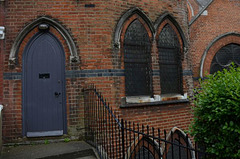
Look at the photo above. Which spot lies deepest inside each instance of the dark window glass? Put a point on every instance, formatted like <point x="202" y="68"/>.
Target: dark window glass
<point x="169" y="61"/>
<point x="144" y="153"/>
<point x="173" y="151"/>
<point x="224" y="57"/>
<point x="137" y="49"/>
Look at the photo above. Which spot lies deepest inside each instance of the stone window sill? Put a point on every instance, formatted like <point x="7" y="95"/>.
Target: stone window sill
<point x="136" y="101"/>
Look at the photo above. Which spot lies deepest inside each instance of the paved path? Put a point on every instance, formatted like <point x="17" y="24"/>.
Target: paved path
<point x="61" y="150"/>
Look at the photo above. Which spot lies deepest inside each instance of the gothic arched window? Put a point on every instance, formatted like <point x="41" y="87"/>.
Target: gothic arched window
<point x="145" y="148"/>
<point x="169" y="61"/>
<point x="174" y="152"/>
<point x="137" y="60"/>
<point x="179" y="145"/>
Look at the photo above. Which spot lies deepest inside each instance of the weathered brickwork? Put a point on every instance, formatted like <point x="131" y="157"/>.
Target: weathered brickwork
<point x="92" y="26"/>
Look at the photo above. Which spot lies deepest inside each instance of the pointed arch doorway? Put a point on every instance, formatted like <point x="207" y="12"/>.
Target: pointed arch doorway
<point x="44" y="108"/>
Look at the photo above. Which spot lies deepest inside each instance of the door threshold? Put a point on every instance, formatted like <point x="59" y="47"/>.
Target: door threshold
<point x="45" y="133"/>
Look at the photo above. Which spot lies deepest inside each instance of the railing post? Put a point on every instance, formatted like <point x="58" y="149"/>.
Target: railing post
<point x="122" y="127"/>
<point x="188" y="152"/>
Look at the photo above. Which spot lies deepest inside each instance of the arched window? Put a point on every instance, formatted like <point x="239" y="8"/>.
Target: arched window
<point x="144" y="151"/>
<point x="175" y="151"/>
<point x="224" y="57"/>
<point x="176" y="148"/>
<point x="169" y="50"/>
<point x="224" y="46"/>
<point x="145" y="148"/>
<point x="137" y="60"/>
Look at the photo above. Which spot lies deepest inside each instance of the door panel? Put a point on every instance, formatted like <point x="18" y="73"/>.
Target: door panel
<point x="44" y="86"/>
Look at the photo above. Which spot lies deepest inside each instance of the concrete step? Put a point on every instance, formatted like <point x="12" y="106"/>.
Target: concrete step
<point x="61" y="150"/>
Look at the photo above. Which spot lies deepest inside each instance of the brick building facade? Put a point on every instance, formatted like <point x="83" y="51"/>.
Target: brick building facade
<point x="95" y="38"/>
<point x="211" y="32"/>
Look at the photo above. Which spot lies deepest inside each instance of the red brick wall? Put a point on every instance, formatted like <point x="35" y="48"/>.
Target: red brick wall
<point x="2" y="18"/>
<point x="223" y="17"/>
<point x="92" y="29"/>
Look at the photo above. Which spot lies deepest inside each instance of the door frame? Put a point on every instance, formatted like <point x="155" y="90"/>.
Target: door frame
<point x="25" y="54"/>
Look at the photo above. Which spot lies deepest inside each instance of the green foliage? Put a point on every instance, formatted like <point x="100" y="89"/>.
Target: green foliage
<point x="66" y="139"/>
<point x="216" y="122"/>
<point x="46" y="142"/>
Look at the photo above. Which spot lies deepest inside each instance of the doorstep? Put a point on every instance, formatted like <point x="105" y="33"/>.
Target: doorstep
<point x="60" y="150"/>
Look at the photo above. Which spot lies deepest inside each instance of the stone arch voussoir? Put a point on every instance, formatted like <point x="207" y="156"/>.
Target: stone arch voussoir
<point x="124" y="18"/>
<point x="13" y="60"/>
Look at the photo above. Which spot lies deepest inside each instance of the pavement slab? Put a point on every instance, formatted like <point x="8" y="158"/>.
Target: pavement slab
<point x="61" y="150"/>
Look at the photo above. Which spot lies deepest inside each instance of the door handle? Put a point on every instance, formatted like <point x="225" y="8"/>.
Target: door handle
<point x="57" y="94"/>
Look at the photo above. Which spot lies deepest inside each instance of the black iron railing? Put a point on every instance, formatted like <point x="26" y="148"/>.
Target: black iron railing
<point x="118" y="139"/>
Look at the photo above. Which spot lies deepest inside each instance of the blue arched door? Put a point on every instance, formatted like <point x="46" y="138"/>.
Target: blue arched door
<point x="44" y="112"/>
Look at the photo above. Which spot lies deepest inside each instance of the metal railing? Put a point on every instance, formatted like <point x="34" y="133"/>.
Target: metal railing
<point x="119" y="139"/>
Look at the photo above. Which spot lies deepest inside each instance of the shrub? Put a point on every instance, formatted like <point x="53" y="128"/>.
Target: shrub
<point x="216" y="122"/>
